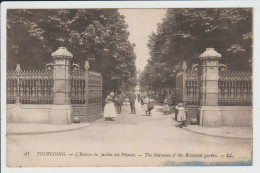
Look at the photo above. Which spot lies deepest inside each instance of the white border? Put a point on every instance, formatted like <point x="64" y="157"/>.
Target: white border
<point x="135" y="4"/>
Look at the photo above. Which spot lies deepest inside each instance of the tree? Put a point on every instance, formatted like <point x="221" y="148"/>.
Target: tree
<point x="186" y="33"/>
<point x="98" y="34"/>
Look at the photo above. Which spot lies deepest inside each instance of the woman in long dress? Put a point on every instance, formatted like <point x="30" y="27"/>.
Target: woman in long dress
<point x="181" y="116"/>
<point x="166" y="106"/>
<point x="109" y="110"/>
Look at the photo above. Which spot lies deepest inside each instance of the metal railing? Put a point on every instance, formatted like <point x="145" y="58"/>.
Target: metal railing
<point x="30" y="86"/>
<point x="235" y="88"/>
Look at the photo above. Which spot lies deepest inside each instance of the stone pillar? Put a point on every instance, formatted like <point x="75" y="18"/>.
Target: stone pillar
<point x="61" y="111"/>
<point x="210" y="114"/>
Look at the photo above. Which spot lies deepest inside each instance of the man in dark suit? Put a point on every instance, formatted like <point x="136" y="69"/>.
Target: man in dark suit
<point x="121" y="99"/>
<point x="132" y="98"/>
<point x="116" y="103"/>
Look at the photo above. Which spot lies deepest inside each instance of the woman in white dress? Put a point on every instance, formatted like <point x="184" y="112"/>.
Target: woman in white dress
<point x="181" y="116"/>
<point x="109" y="110"/>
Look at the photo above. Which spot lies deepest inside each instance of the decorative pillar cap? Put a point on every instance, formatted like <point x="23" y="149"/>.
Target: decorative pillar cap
<point x="184" y="66"/>
<point x="86" y="65"/>
<point x="62" y="52"/>
<point x="210" y="53"/>
<point x="18" y="68"/>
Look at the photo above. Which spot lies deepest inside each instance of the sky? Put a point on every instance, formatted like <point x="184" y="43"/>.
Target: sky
<point x="141" y="24"/>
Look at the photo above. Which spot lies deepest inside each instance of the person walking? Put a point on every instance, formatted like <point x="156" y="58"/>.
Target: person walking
<point x="139" y="97"/>
<point x="132" y="99"/>
<point x="109" y="110"/>
<point x="121" y="99"/>
<point x="166" y="106"/>
<point x="181" y="115"/>
<point x="172" y="99"/>
<point x="116" y="103"/>
<point x="150" y="106"/>
<point x="142" y="99"/>
<point x="145" y="104"/>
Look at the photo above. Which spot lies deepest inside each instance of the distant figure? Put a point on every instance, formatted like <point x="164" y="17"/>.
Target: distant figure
<point x="145" y="103"/>
<point x="117" y="103"/>
<point x="132" y="98"/>
<point x="139" y="97"/>
<point x="166" y="105"/>
<point x="142" y="99"/>
<point x="148" y="105"/>
<point x="172" y="100"/>
<point x="121" y="99"/>
<point x="181" y="115"/>
<point x="109" y="110"/>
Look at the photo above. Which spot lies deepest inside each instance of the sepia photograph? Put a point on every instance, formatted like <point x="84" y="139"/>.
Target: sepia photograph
<point x="129" y="87"/>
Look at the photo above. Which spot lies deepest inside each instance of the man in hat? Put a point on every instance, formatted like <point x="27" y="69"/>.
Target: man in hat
<point x="121" y="99"/>
<point x="132" y="98"/>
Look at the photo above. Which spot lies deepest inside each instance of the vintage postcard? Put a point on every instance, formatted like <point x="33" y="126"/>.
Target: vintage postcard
<point x="99" y="86"/>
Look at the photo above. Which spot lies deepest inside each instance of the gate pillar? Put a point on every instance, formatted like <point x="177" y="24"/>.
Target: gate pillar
<point x="61" y="110"/>
<point x="210" y="114"/>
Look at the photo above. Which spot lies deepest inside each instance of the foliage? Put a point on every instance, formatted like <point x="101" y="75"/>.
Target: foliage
<point x="99" y="34"/>
<point x="186" y="33"/>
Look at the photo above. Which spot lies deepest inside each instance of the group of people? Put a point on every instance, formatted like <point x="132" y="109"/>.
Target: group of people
<point x="114" y="106"/>
<point x="180" y="111"/>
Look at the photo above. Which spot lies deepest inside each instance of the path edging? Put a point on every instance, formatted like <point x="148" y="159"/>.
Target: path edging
<point x="231" y="137"/>
<point x="47" y="132"/>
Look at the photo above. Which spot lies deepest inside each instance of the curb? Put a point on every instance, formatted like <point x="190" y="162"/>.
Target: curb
<point x="47" y="132"/>
<point x="231" y="137"/>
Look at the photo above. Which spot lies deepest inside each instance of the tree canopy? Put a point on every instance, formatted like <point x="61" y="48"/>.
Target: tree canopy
<point x="99" y="34"/>
<point x="186" y="33"/>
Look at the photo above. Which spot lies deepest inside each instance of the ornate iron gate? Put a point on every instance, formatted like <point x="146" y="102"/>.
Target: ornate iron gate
<point x="94" y="105"/>
<point x="86" y="94"/>
<point x="187" y="90"/>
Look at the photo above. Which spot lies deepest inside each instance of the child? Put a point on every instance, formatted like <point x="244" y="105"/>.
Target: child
<point x="181" y="116"/>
